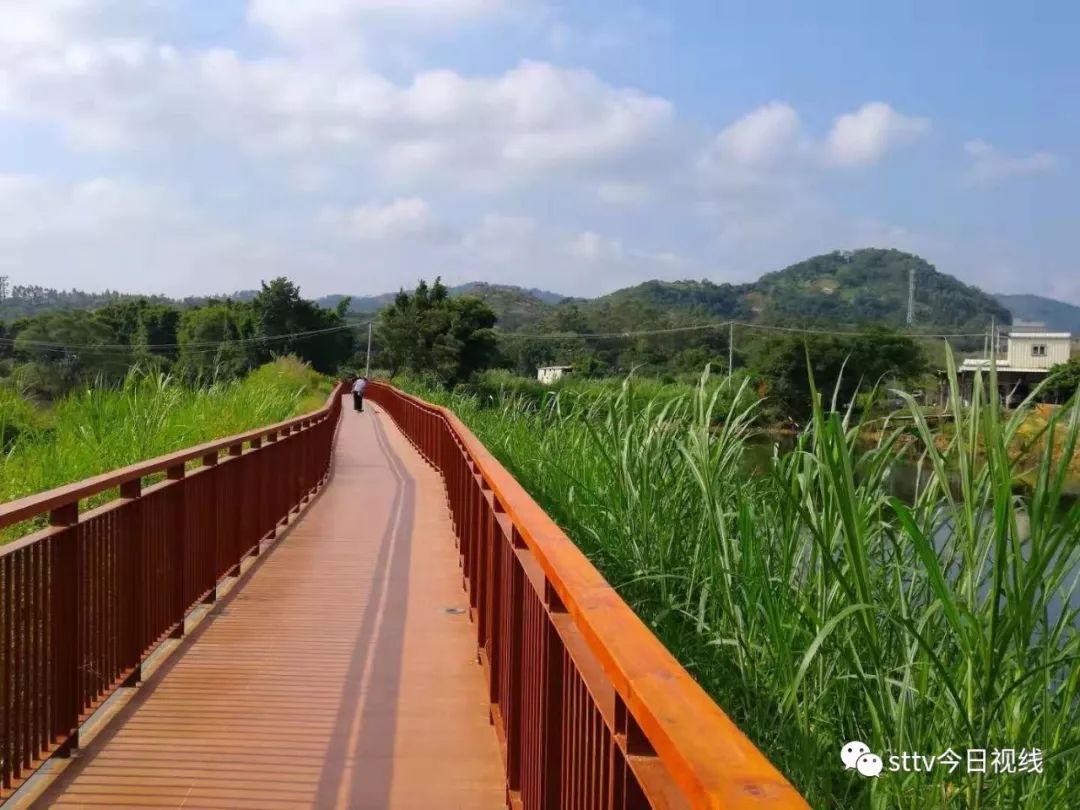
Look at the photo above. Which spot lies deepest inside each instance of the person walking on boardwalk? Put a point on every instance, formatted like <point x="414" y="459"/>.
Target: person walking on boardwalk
<point x="358" y="394"/>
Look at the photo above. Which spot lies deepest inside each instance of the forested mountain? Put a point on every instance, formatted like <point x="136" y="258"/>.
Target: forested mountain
<point x="1057" y="315"/>
<point x="843" y="288"/>
<point x="867" y="286"/>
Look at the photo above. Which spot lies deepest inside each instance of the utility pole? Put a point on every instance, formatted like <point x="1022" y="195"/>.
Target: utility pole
<point x="730" y="348"/>
<point x="367" y="365"/>
<point x="911" y="297"/>
<point x="993" y="339"/>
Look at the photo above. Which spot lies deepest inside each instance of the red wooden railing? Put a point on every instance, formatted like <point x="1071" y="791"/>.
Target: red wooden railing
<point x="84" y="601"/>
<point x="590" y="708"/>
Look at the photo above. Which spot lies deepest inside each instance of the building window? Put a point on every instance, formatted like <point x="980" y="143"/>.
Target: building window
<point x="1038" y="350"/>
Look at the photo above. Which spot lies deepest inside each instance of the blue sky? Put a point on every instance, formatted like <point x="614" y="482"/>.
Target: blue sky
<point x="358" y="145"/>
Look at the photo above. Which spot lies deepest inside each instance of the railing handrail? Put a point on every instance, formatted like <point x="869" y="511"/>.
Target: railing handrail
<point x="711" y="760"/>
<point x="42" y="502"/>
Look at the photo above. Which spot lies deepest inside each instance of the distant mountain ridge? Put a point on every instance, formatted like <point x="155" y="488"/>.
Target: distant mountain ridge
<point x="842" y="288"/>
<point x="867" y="286"/>
<point x="1058" y="316"/>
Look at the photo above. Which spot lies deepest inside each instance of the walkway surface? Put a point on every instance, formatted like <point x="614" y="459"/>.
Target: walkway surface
<point x="341" y="673"/>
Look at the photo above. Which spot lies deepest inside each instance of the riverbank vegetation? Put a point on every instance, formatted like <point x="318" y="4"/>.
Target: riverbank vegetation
<point x="147" y="414"/>
<point x="811" y="602"/>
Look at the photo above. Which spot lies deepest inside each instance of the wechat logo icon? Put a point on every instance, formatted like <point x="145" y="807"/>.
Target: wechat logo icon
<point x="857" y="756"/>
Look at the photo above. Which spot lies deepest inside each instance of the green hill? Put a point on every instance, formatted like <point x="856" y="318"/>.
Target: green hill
<point x="868" y="286"/>
<point x="843" y="288"/>
<point x="1057" y="315"/>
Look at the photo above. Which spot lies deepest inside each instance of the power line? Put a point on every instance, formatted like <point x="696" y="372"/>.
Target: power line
<point x="212" y="346"/>
<point x="125" y="347"/>
<point x="731" y="325"/>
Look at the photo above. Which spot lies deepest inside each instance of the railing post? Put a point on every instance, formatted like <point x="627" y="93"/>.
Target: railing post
<point x="255" y="474"/>
<point x="552" y="718"/>
<point x="237" y="523"/>
<point x="178" y="556"/>
<point x="210" y="549"/>
<point x="131" y="492"/>
<point x="67" y="642"/>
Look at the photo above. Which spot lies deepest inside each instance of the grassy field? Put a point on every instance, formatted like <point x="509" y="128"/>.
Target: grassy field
<point x="813" y="604"/>
<point x="101" y="429"/>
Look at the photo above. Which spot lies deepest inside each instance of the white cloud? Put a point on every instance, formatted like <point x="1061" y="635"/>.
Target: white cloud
<point x="106" y="233"/>
<point x="316" y="21"/>
<point x="760" y="137"/>
<point x="866" y="135"/>
<point x="30" y="25"/>
<point x="988" y="165"/>
<point x="623" y="193"/>
<point x="591" y="246"/>
<point x="405" y="217"/>
<point x="481" y="131"/>
<point x="498" y="230"/>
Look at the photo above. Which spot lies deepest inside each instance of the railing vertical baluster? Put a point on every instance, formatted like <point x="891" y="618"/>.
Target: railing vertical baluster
<point x="554" y="727"/>
<point x="210" y="524"/>
<point x="7" y="665"/>
<point x="513" y="697"/>
<point x="134" y="552"/>
<point x="66" y="653"/>
<point x="177" y="531"/>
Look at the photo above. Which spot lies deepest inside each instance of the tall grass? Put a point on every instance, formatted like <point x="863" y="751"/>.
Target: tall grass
<point x="103" y="428"/>
<point x="816" y="606"/>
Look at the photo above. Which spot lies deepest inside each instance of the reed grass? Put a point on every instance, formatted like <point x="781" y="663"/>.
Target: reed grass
<point x="813" y="604"/>
<point x="103" y="428"/>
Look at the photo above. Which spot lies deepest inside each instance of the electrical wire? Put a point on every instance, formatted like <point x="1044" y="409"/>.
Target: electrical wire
<point x="739" y="324"/>
<point x="194" y="347"/>
<point x="190" y="348"/>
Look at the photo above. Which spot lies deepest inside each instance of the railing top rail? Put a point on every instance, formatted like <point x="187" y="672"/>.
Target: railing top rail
<point x="43" y="502"/>
<point x="707" y="755"/>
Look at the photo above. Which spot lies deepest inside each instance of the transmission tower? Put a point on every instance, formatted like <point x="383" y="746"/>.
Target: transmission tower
<point x="911" y="297"/>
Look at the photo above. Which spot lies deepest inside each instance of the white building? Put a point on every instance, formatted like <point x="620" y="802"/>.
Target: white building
<point x="550" y="374"/>
<point x="1037" y="350"/>
<point x="1030" y="350"/>
<point x="1028" y="357"/>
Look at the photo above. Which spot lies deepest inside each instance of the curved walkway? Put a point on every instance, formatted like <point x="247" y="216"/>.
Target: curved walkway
<point x="341" y="673"/>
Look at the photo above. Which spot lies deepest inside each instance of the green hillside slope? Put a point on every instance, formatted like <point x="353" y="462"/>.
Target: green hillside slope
<point x="868" y="286"/>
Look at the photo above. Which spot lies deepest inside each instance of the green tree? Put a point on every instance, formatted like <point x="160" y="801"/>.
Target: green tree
<point x="840" y="366"/>
<point x="216" y="341"/>
<point x="149" y="327"/>
<point x="60" y="350"/>
<point x="279" y="310"/>
<point x="427" y="331"/>
<point x="1063" y="382"/>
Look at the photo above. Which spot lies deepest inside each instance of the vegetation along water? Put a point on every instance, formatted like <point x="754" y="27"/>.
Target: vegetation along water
<point x="815" y="604"/>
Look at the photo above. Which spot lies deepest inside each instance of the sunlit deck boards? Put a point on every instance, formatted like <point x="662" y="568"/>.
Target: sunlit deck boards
<point x="339" y="675"/>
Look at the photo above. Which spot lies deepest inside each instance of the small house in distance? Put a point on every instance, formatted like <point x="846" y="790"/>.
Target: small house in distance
<point x="550" y="374"/>
<point x="1029" y="355"/>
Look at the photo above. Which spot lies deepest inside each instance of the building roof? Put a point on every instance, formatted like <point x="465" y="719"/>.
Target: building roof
<point x="977" y="364"/>
<point x="1040" y="335"/>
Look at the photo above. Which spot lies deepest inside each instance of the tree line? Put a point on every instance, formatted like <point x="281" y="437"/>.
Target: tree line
<point x="48" y="354"/>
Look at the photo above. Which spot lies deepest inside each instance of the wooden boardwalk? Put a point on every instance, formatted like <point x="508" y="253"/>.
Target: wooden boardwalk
<point x="342" y="671"/>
